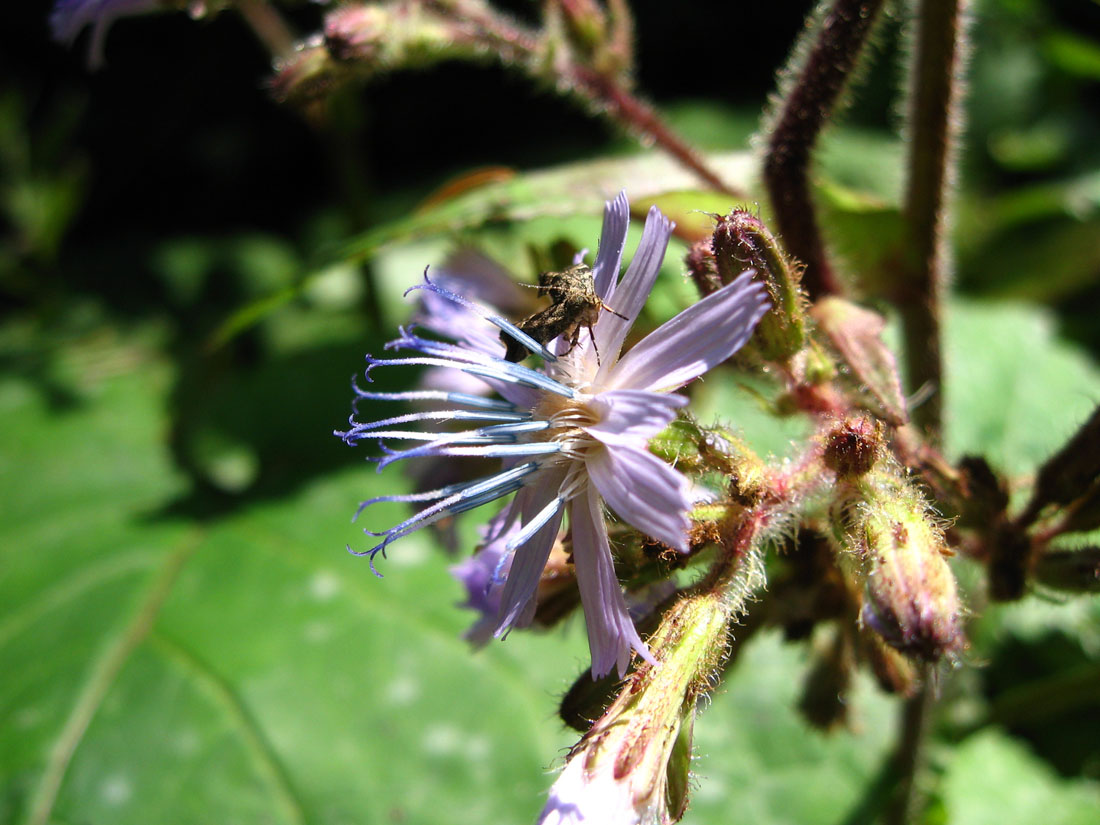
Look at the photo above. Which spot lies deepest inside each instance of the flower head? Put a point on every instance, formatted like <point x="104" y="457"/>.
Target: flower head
<point x="571" y="436"/>
<point x="70" y="17"/>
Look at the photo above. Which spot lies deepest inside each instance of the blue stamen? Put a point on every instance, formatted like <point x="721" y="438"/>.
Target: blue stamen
<point x="488" y="447"/>
<point x="435" y="395"/>
<point x="502" y="324"/>
<point x="536" y="524"/>
<point x="496" y="368"/>
<point x="470" y="496"/>
<point x="362" y="430"/>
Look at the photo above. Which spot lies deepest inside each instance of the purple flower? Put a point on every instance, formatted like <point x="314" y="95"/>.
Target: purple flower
<point x="69" y="17"/>
<point x="572" y="436"/>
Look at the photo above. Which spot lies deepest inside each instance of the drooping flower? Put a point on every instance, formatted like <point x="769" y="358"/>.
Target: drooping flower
<point x="70" y="17"/>
<point x="572" y="436"/>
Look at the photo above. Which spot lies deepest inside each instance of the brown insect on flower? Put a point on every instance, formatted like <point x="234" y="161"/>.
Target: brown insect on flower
<point x="573" y="304"/>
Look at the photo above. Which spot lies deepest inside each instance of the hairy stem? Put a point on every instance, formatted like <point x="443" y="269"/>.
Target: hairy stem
<point x="269" y="27"/>
<point x="803" y="112"/>
<point x="620" y="105"/>
<point x="935" y="82"/>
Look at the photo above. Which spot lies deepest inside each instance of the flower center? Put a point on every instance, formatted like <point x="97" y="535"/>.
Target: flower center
<point x="568" y="417"/>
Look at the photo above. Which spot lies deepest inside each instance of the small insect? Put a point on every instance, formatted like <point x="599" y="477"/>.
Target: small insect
<point x="573" y="304"/>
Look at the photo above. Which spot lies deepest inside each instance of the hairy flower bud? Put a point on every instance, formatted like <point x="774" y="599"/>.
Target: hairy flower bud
<point x="741" y="241"/>
<point x="702" y="268"/>
<point x="632" y="766"/>
<point x="856" y="335"/>
<point x="910" y="596"/>
<point x="853" y="446"/>
<point x="375" y="38"/>
<point x="911" y="599"/>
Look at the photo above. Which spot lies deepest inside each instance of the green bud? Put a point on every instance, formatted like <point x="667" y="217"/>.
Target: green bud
<point x="372" y="38"/>
<point x="633" y="764"/>
<point x="741" y="241"/>
<point x="911" y="599"/>
<point x="910" y="596"/>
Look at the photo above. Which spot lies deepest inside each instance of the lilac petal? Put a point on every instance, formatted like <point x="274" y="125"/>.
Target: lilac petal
<point x="481" y="575"/>
<point x="609" y="256"/>
<point x="702" y="336"/>
<point x="476" y="275"/>
<point x="69" y="17"/>
<point x="631" y="293"/>
<point x="517" y="602"/>
<point x="611" y="633"/>
<point x="633" y="416"/>
<point x="643" y="491"/>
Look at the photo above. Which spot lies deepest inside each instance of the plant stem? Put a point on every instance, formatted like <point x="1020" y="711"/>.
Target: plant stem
<point x="269" y="27"/>
<point x="935" y="84"/>
<point x="620" y="105"/>
<point x="804" y="110"/>
<point x="909" y="756"/>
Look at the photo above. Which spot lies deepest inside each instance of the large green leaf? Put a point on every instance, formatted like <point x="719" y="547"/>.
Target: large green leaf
<point x="245" y="669"/>
<point x="1014" y="392"/>
<point x="161" y="665"/>
<point x="991" y="779"/>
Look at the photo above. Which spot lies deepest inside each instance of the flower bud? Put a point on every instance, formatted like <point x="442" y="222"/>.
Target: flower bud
<point x="374" y="37"/>
<point x="897" y="552"/>
<point x="853" y="446"/>
<point x="856" y="334"/>
<point x="632" y="766"/>
<point x="741" y="241"/>
<point x="910" y="598"/>
<point x="702" y="268"/>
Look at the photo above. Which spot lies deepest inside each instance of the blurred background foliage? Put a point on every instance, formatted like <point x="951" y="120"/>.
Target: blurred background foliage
<point x="183" y="637"/>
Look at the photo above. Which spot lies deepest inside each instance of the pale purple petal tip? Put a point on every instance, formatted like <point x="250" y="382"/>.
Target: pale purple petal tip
<point x="628" y="298"/>
<point x="609" y="256"/>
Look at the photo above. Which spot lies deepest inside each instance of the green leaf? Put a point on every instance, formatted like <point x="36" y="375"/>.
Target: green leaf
<point x="245" y="669"/>
<point x="564" y="191"/>
<point x="992" y="779"/>
<point x="759" y="760"/>
<point x="1014" y="392"/>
